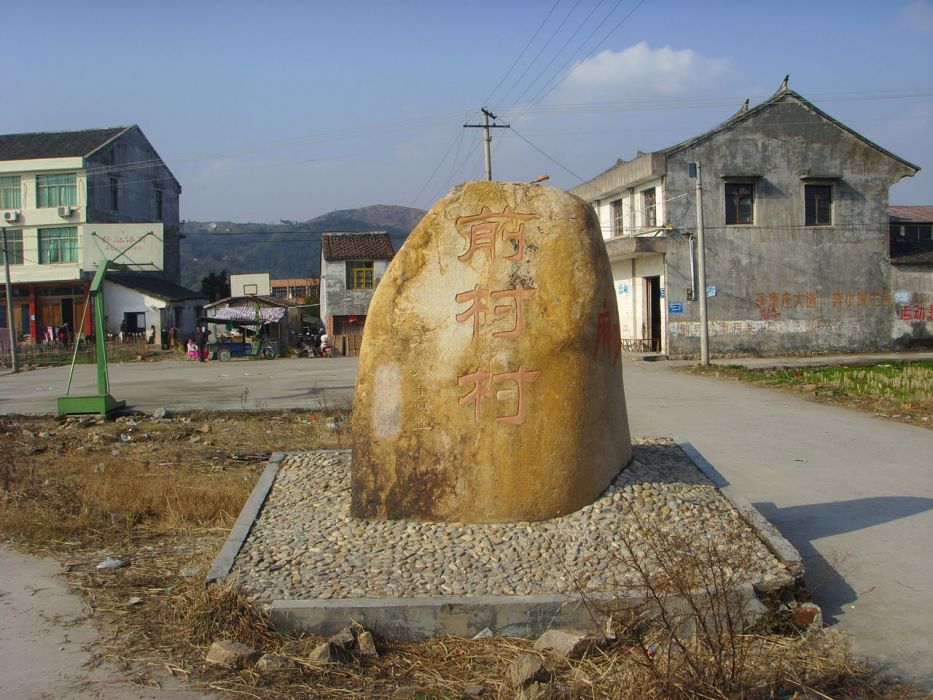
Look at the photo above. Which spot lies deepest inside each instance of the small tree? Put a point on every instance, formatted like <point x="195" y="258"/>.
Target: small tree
<point x="216" y="286"/>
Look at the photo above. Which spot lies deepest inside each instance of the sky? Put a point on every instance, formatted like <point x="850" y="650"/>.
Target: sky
<point x="287" y="110"/>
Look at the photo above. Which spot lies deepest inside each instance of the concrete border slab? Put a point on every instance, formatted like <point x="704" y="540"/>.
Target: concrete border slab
<point x="775" y="541"/>
<point x="223" y="562"/>
<point x="413" y="618"/>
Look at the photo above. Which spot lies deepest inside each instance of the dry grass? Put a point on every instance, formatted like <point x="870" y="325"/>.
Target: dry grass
<point x="164" y="500"/>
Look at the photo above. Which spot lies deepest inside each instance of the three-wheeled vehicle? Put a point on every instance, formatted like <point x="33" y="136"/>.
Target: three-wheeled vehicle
<point x="239" y="339"/>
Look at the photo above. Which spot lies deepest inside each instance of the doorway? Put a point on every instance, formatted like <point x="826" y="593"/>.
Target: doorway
<point x="652" y="327"/>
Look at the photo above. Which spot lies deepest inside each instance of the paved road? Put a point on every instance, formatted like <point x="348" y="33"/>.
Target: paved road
<point x="852" y="492"/>
<point x="186" y="385"/>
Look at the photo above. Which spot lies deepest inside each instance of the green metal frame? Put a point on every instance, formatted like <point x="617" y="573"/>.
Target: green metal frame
<point x="102" y="402"/>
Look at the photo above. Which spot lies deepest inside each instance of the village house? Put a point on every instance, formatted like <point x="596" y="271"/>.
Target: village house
<point x="795" y="211"/>
<point x="351" y="266"/>
<point x="911" y="253"/>
<point x="70" y="201"/>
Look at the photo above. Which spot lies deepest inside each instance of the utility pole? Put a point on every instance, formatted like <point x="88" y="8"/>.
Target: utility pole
<point x="10" y="323"/>
<point x="694" y="169"/>
<point x="487" y="137"/>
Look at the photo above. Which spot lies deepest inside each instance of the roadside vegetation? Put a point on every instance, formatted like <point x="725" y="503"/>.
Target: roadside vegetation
<point x="900" y="391"/>
<point x="160" y="496"/>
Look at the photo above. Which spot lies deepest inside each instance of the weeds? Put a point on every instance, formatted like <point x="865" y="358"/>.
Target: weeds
<point x="167" y="500"/>
<point x="899" y="390"/>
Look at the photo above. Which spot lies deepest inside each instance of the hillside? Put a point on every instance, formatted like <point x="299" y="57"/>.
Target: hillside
<point x="286" y="249"/>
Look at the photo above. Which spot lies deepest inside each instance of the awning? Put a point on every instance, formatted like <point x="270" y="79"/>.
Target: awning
<point x="248" y="313"/>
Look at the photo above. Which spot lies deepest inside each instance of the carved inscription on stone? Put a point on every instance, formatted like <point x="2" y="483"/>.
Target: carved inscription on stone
<point x="490" y="382"/>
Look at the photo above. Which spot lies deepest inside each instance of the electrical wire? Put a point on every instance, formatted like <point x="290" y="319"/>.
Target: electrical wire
<point x="540" y="51"/>
<point x="534" y="36"/>
<point x="538" y="97"/>
<point x="559" y="51"/>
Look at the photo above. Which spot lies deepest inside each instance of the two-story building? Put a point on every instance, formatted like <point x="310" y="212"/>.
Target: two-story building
<point x="351" y="266"/>
<point x="69" y="201"/>
<point x="795" y="212"/>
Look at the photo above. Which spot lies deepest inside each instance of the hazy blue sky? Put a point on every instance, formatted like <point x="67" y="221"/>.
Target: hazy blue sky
<point x="287" y="110"/>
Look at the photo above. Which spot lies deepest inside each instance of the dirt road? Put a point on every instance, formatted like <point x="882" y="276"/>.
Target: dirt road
<point x="43" y="634"/>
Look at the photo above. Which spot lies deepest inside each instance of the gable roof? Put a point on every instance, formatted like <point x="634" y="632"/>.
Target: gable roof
<point x="782" y="95"/>
<point x="357" y="246"/>
<point x="153" y="286"/>
<point x="900" y="213"/>
<point x="56" y="144"/>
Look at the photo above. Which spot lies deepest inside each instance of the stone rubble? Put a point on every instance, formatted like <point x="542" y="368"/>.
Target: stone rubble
<point x="306" y="545"/>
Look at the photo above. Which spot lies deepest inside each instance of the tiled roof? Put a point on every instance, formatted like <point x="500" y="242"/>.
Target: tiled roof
<point x="782" y="95"/>
<point x="56" y="144"/>
<point x="901" y="213"/>
<point x="911" y="252"/>
<point x="357" y="246"/>
<point x="153" y="286"/>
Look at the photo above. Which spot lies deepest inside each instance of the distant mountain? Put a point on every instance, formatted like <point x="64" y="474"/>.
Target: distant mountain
<point x="286" y="249"/>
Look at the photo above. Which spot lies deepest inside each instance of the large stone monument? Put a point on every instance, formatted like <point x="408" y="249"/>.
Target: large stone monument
<point x="490" y="377"/>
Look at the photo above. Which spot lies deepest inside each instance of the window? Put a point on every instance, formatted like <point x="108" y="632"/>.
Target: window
<point x="618" y="222"/>
<point x="280" y="292"/>
<point x="56" y="190"/>
<point x="9" y="192"/>
<point x="740" y="203"/>
<point x="818" y="205"/>
<point x="158" y="203"/>
<point x="58" y="245"/>
<point x="649" y="207"/>
<point x="114" y="194"/>
<point x="360" y="274"/>
<point x="14" y="246"/>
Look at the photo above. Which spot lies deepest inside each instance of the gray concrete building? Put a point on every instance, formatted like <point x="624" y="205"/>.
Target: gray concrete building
<point x="351" y="266"/>
<point x="795" y="211"/>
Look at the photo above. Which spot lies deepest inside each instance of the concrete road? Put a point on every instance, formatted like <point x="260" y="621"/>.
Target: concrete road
<point x="310" y="383"/>
<point x="44" y="633"/>
<point x="852" y="492"/>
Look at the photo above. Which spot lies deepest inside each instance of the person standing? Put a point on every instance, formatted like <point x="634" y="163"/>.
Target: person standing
<point x="203" y="338"/>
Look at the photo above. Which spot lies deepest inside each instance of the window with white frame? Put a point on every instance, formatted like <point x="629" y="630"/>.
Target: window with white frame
<point x="58" y="245"/>
<point x="10" y="197"/>
<point x="56" y="190"/>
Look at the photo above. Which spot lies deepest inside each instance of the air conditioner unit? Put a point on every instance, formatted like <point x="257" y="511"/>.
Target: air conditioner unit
<point x="10" y="215"/>
<point x="65" y="211"/>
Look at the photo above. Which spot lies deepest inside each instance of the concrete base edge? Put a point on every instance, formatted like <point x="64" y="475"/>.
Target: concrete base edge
<point x="410" y="619"/>
<point x="786" y="553"/>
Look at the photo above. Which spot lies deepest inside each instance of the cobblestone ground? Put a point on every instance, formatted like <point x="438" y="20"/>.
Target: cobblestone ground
<point x="306" y="545"/>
